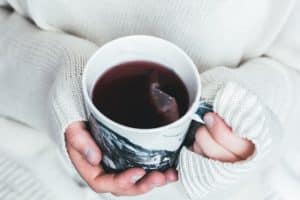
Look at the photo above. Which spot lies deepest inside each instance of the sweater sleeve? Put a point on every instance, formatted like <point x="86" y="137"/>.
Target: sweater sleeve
<point x="260" y="101"/>
<point x="40" y="76"/>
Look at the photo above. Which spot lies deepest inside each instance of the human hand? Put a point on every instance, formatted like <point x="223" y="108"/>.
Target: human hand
<point x="86" y="156"/>
<point x="215" y="140"/>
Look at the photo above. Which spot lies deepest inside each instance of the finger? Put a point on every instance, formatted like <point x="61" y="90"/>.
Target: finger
<point x="147" y="183"/>
<point x="197" y="149"/>
<point x="98" y="180"/>
<point x="119" y="183"/>
<point x="171" y="175"/>
<point x="87" y="171"/>
<point x="154" y="179"/>
<point x="211" y="149"/>
<point x="80" y="139"/>
<point x="224" y="136"/>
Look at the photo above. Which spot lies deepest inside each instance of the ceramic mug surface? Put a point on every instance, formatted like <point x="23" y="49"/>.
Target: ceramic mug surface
<point x="125" y="147"/>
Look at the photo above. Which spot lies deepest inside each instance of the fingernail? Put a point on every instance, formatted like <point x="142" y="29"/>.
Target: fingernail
<point x="209" y="120"/>
<point x="135" y="178"/>
<point x="90" y="156"/>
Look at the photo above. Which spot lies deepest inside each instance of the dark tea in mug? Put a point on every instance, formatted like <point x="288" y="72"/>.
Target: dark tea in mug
<point x="141" y="94"/>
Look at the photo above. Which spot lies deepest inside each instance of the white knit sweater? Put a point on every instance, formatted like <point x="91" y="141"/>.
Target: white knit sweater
<point x="248" y="54"/>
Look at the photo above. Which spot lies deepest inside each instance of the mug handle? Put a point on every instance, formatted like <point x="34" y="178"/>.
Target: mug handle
<point x="198" y="121"/>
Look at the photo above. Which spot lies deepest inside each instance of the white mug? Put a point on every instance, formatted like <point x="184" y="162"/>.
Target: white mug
<point x="124" y="147"/>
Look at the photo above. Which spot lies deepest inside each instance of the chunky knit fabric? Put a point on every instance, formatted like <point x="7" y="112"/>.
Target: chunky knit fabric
<point x="247" y="53"/>
<point x="248" y="119"/>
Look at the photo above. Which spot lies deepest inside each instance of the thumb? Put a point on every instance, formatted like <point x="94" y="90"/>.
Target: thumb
<point x="223" y="135"/>
<point x="80" y="139"/>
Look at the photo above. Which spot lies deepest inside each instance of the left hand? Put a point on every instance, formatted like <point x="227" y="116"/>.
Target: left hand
<point x="86" y="156"/>
<point x="216" y="141"/>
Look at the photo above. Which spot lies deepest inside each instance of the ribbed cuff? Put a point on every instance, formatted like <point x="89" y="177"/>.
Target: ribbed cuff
<point x="246" y="115"/>
<point x="61" y="120"/>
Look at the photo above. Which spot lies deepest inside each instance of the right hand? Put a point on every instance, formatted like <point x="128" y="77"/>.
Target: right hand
<point x="217" y="141"/>
<point x="86" y="156"/>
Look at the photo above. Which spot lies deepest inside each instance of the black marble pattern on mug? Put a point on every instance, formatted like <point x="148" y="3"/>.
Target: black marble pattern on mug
<point x="119" y="153"/>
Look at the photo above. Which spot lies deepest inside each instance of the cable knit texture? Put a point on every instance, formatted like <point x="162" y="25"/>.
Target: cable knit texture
<point x="249" y="66"/>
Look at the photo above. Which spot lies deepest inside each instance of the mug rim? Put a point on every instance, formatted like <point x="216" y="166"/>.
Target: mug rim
<point x="98" y="114"/>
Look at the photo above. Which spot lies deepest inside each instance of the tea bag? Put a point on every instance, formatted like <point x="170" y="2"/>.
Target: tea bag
<point x="163" y="104"/>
